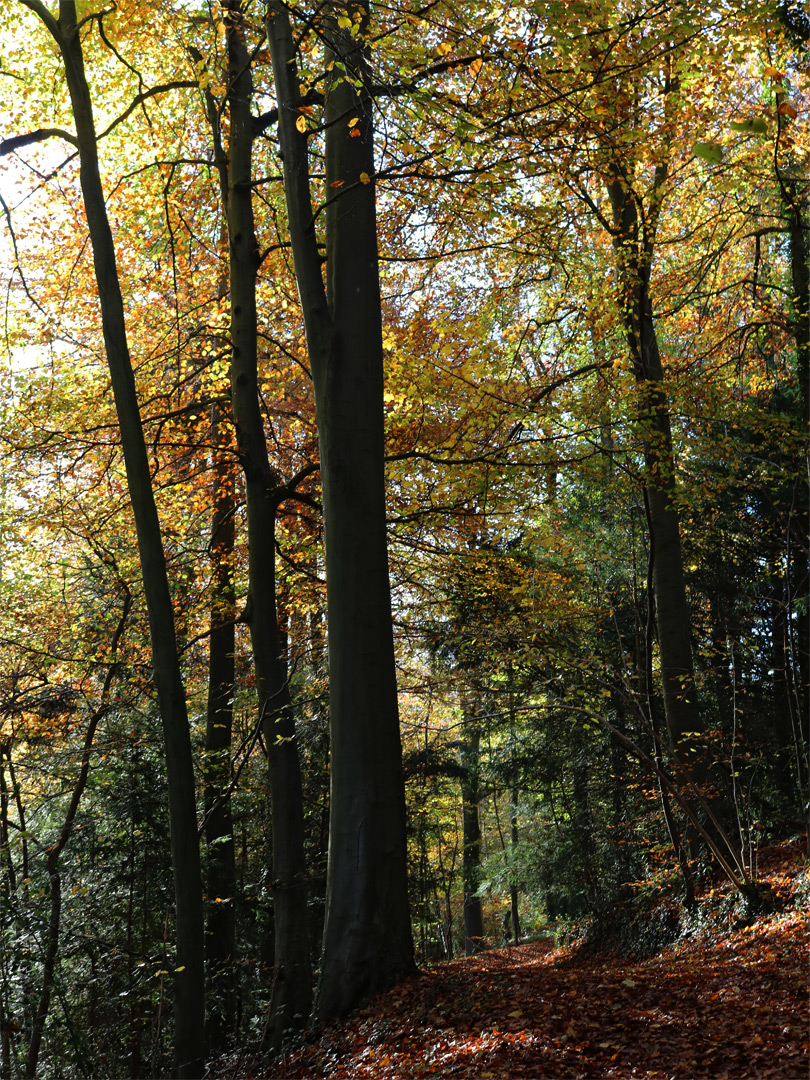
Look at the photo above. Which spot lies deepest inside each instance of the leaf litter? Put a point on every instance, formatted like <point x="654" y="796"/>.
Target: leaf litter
<point x="724" y="1004"/>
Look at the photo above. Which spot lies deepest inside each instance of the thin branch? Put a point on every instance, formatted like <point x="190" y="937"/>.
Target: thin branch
<point x="139" y="99"/>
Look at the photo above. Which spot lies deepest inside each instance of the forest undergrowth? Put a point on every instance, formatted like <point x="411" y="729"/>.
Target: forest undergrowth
<point x="727" y="1001"/>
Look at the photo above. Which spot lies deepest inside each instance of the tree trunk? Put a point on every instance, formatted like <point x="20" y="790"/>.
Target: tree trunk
<point x="220" y="929"/>
<point x="513" y="811"/>
<point x="189" y="983"/>
<point x="6" y="857"/>
<point x="582" y="820"/>
<point x="292" y="979"/>
<point x="514" y="907"/>
<point x="367" y="934"/>
<point x="673" y="619"/>
<point x="799" y="555"/>
<point x="471" y="832"/>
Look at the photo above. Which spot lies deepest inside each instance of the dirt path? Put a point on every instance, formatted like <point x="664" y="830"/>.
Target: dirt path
<point x="732" y="1008"/>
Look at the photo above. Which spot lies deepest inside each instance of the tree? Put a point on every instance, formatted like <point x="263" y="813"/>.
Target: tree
<point x="56" y="849"/>
<point x="220" y="927"/>
<point x="471" y="827"/>
<point x="189" y="980"/>
<point x="292" y="981"/>
<point x="367" y="935"/>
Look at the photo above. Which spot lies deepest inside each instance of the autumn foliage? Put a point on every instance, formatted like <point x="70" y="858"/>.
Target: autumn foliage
<point x="462" y="364"/>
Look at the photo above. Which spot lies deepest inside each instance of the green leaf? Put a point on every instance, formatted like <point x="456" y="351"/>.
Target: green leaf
<point x="755" y="124"/>
<point x="708" y="151"/>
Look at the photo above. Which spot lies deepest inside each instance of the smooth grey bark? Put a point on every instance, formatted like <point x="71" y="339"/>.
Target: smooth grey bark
<point x="292" y="979"/>
<point x="189" y="983"/>
<point x="367" y="942"/>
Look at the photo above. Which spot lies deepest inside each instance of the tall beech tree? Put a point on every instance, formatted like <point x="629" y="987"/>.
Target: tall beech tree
<point x="189" y="982"/>
<point x="264" y="492"/>
<point x="634" y="222"/>
<point x="638" y="115"/>
<point x="367" y="941"/>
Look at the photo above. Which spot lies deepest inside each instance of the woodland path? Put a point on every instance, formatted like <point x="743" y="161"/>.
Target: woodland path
<point x="726" y="1004"/>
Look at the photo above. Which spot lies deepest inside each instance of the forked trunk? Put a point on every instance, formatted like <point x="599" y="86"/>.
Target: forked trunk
<point x="292" y="979"/>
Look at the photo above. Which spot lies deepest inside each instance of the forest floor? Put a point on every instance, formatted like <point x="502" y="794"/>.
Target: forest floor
<point x="727" y="1002"/>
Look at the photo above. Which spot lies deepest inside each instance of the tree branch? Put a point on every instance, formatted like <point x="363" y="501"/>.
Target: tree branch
<point x="7" y="146"/>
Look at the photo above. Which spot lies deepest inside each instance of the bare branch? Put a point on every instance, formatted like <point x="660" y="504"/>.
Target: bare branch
<point x="7" y="146"/>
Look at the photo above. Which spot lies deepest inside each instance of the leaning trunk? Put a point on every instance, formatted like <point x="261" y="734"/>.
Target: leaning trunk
<point x="189" y="1000"/>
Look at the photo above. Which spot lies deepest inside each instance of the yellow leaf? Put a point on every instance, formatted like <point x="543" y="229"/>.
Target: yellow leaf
<point x="301" y="124"/>
<point x="354" y="120"/>
<point x="476" y="65"/>
<point x="365" y="178"/>
<point x="344" y="22"/>
<point x="444" y="48"/>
